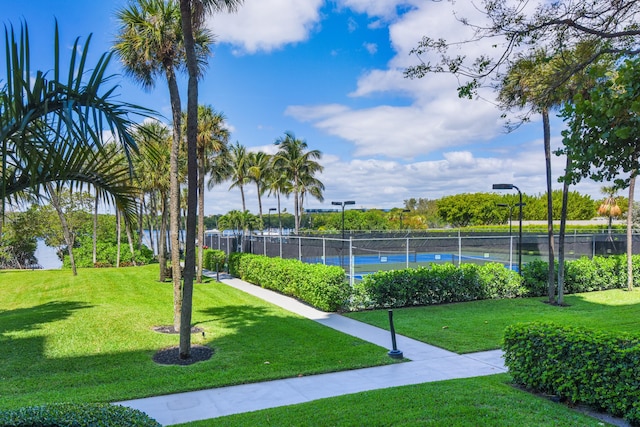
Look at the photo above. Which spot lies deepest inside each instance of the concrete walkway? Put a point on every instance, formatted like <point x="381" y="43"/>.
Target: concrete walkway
<point x="428" y="364"/>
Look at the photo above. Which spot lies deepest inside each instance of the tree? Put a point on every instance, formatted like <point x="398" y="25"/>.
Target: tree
<point x="213" y="138"/>
<point x="603" y="134"/>
<point x="152" y="169"/>
<point x="52" y="127"/>
<point x="192" y="14"/>
<point x="299" y="166"/>
<point x="237" y="169"/>
<point x="609" y="206"/>
<point x="259" y="163"/>
<point x="150" y="43"/>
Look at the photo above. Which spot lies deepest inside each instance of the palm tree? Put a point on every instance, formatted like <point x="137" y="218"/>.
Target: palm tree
<point x="153" y="173"/>
<point x="299" y="165"/>
<point x="213" y="138"/>
<point x="51" y="126"/>
<point x="193" y="13"/>
<point x="278" y="184"/>
<point x="609" y="206"/>
<point x="150" y="43"/>
<point x="259" y="163"/>
<point x="238" y="169"/>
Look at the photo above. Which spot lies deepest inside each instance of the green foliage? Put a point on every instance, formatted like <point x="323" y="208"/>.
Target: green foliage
<point x="535" y="276"/>
<point x="320" y="285"/>
<point x="76" y="415"/>
<point x="18" y="243"/>
<point x="214" y="259"/>
<point x="439" y="284"/>
<point x="107" y="254"/>
<point x="594" y="368"/>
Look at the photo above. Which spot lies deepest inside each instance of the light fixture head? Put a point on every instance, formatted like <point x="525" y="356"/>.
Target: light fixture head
<point x="503" y="186"/>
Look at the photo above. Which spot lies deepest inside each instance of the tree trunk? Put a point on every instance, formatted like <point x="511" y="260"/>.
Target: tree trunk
<point x="140" y="220"/>
<point x="200" y="215"/>
<point x="192" y="168"/>
<point x="551" y="278"/>
<point x="174" y="194"/>
<point x="632" y="187"/>
<point x="563" y="223"/>
<point x="162" y="238"/>
<point x="118" y="237"/>
<point x="95" y="229"/>
<point x="127" y="228"/>
<point x="66" y="232"/>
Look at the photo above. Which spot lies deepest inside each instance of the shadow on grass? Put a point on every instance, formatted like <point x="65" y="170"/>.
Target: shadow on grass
<point x="28" y="318"/>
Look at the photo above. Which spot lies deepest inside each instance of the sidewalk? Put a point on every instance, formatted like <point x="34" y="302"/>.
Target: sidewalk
<point x="428" y="364"/>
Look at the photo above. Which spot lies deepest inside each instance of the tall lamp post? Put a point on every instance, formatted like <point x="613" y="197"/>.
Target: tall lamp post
<point x="269" y="220"/>
<point x="343" y="204"/>
<point x="511" y="187"/>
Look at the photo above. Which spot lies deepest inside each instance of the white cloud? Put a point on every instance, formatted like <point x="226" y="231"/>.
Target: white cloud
<point x="265" y="25"/>
<point x="372" y="48"/>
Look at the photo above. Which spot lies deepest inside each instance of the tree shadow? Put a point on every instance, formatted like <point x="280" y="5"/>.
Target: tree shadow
<point x="29" y="318"/>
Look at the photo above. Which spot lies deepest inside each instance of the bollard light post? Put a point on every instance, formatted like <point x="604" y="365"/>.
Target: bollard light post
<point x="511" y="187"/>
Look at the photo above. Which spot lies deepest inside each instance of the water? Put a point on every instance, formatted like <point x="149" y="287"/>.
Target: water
<point x="47" y="256"/>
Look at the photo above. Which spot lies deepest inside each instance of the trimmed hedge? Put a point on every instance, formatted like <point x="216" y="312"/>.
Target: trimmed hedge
<point x="76" y="415"/>
<point x="213" y="259"/>
<point x="322" y="286"/>
<point x="440" y="284"/>
<point x="588" y="367"/>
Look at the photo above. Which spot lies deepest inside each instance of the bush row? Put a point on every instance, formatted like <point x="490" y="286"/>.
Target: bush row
<point x="321" y="286"/>
<point x="76" y="415"/>
<point x="581" y="275"/>
<point x="213" y="259"/>
<point x="442" y="283"/>
<point x="593" y="368"/>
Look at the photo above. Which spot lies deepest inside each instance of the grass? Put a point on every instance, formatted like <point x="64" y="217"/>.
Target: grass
<point x="473" y="402"/>
<point x="479" y="325"/>
<point x="89" y="338"/>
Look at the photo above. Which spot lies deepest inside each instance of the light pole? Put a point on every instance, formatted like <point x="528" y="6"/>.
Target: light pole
<point x="343" y="204"/>
<point x="269" y="220"/>
<point x="511" y="187"/>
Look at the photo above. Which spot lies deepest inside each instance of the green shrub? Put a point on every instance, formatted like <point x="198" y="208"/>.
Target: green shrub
<point x="499" y="282"/>
<point x="535" y="276"/>
<point x="76" y="415"/>
<point x="107" y="255"/>
<point x="583" y="366"/>
<point x="213" y="259"/>
<point x="320" y="285"/>
<point x="596" y="274"/>
<point x="439" y="284"/>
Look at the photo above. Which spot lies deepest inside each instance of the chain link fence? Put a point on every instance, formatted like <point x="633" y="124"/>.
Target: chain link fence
<point x="366" y="253"/>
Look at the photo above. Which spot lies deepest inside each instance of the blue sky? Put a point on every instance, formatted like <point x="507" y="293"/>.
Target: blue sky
<point x="331" y="73"/>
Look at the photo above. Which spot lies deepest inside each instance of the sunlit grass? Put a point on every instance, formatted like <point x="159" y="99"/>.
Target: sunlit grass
<point x="89" y="338"/>
<point x="479" y="325"/>
<point x="474" y="402"/>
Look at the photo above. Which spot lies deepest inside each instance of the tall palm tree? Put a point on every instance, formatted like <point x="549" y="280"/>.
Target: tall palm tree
<point x="150" y="43"/>
<point x="193" y="13"/>
<point x="52" y="126"/>
<point x="277" y="183"/>
<point x="213" y="138"/>
<point x="153" y="173"/>
<point x="259" y="163"/>
<point x="299" y="164"/>
<point x="238" y="169"/>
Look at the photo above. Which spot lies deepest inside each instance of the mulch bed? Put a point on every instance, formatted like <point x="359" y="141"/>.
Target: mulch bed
<point x="171" y="355"/>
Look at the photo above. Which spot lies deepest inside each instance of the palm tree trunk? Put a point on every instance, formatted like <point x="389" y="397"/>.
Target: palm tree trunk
<point x="192" y="170"/>
<point x="561" y="238"/>
<point x="244" y="205"/>
<point x="127" y="228"/>
<point x="200" y="216"/>
<point x="259" y="200"/>
<point x="162" y="239"/>
<point x="95" y="229"/>
<point x="140" y="220"/>
<point x="174" y="195"/>
<point x="118" y="237"/>
<point x="632" y="188"/>
<point x="551" y="278"/>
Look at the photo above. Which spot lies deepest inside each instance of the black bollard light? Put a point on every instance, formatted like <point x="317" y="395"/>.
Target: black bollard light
<point x="394" y="353"/>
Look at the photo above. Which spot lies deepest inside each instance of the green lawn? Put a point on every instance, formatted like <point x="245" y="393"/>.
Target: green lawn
<point x="474" y="402"/>
<point x="89" y="338"/>
<point x="479" y="325"/>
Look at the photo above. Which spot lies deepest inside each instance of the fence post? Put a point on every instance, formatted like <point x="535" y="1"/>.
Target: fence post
<point x="459" y="249"/>
<point x="324" y="251"/>
<point x="407" y="252"/>
<point x="299" y="248"/>
<point x="280" y="244"/>
<point x="351" y="261"/>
